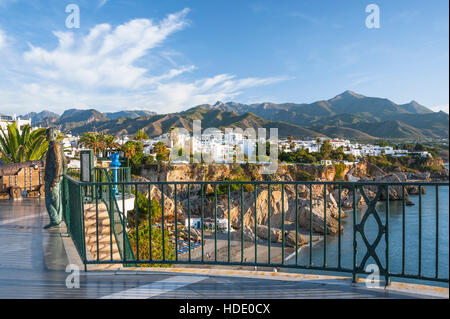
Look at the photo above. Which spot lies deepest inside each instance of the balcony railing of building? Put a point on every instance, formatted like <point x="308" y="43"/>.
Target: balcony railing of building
<point x="208" y="223"/>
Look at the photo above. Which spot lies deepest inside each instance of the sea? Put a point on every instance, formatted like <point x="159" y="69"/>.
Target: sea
<point x="411" y="265"/>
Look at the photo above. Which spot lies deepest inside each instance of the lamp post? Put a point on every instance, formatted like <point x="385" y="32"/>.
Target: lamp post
<point x="115" y="164"/>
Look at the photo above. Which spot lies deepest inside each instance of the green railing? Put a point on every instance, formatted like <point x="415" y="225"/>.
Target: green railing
<point x="123" y="174"/>
<point x="107" y="175"/>
<point x="73" y="172"/>
<point x="73" y="208"/>
<point x="76" y="194"/>
<point x="107" y="194"/>
<point x="212" y="244"/>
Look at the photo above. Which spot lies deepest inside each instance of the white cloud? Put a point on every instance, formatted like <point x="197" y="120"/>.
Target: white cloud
<point x="114" y="68"/>
<point x="106" y="57"/>
<point x="220" y="87"/>
<point x="102" y="3"/>
<point x="2" y="39"/>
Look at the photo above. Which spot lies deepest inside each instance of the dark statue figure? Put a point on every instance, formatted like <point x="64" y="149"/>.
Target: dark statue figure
<point x="55" y="167"/>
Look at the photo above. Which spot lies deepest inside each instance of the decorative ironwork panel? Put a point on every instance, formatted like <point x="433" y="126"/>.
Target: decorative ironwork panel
<point x="382" y="229"/>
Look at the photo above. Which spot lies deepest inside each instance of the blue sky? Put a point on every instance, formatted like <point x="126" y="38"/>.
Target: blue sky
<point x="169" y="55"/>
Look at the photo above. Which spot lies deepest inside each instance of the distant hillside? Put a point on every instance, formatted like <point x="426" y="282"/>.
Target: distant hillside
<point x="159" y="124"/>
<point x="36" y="118"/>
<point x="414" y="107"/>
<point x="132" y="114"/>
<point x="371" y="108"/>
<point x="347" y="115"/>
<point x="345" y="132"/>
<point x="352" y="115"/>
<point x="73" y="118"/>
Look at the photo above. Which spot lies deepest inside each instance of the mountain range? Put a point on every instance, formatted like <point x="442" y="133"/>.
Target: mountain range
<point x="347" y="115"/>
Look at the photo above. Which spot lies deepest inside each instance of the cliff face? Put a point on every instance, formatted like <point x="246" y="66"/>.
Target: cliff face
<point x="220" y="172"/>
<point x="240" y="207"/>
<point x="286" y="172"/>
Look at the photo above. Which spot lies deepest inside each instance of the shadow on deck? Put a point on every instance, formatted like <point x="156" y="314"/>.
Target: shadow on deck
<point x="33" y="262"/>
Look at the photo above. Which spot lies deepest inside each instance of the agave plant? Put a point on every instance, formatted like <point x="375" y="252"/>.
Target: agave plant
<point x="17" y="147"/>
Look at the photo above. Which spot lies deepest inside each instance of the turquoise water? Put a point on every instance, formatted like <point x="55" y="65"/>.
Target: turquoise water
<point x="395" y="237"/>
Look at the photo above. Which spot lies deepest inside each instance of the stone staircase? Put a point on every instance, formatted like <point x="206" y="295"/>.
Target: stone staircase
<point x="106" y="239"/>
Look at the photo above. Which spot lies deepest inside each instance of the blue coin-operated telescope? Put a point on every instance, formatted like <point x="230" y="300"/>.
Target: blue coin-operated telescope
<point x="115" y="164"/>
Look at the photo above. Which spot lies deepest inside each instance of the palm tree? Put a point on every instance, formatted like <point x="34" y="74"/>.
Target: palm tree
<point x="141" y="135"/>
<point x="129" y="150"/>
<point x="17" y="147"/>
<point x="160" y="148"/>
<point x="110" y="142"/>
<point x="93" y="141"/>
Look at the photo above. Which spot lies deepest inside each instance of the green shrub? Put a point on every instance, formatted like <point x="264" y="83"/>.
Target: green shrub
<point x="340" y="168"/>
<point x="303" y="176"/>
<point x="223" y="188"/>
<point x="144" y="231"/>
<point x="156" y="244"/>
<point x="143" y="209"/>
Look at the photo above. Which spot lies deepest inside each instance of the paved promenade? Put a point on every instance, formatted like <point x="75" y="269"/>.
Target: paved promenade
<point x="33" y="263"/>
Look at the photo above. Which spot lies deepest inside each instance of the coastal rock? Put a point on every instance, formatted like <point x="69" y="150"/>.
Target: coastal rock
<point x="276" y="207"/>
<point x="276" y="236"/>
<point x="395" y="192"/>
<point x="373" y="170"/>
<point x="425" y="176"/>
<point x="195" y="235"/>
<point x="289" y="239"/>
<point x="275" y="233"/>
<point x="262" y="210"/>
<point x="318" y="219"/>
<point x="344" y="194"/>
<point x="249" y="235"/>
<point x="317" y="202"/>
<point x="169" y="203"/>
<point x="155" y="194"/>
<point x="443" y="174"/>
<point x="414" y="190"/>
<point x="347" y="201"/>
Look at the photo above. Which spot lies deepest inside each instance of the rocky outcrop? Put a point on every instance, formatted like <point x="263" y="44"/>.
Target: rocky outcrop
<point x="262" y="209"/>
<point x="276" y="236"/>
<point x="442" y="175"/>
<point x="395" y="192"/>
<point x="290" y="239"/>
<point x="155" y="194"/>
<point x="414" y="190"/>
<point x="169" y="203"/>
<point x="318" y="218"/>
<point x="347" y="197"/>
<point x="218" y="172"/>
<point x="248" y="217"/>
<point x="241" y="211"/>
<point x="275" y="233"/>
<point x="425" y="176"/>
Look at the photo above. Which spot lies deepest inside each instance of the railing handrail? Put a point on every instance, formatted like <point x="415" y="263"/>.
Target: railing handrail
<point x="355" y="189"/>
<point x="411" y="183"/>
<point x="119" y="213"/>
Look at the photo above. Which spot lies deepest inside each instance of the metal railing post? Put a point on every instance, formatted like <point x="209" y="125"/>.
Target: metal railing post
<point x="386" y="237"/>
<point x="83" y="235"/>
<point x="355" y="244"/>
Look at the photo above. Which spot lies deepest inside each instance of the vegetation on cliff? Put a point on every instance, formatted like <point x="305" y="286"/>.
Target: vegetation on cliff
<point x="303" y="156"/>
<point x="148" y="217"/>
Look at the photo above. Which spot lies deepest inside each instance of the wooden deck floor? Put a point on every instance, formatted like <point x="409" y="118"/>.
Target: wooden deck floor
<point x="33" y="263"/>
